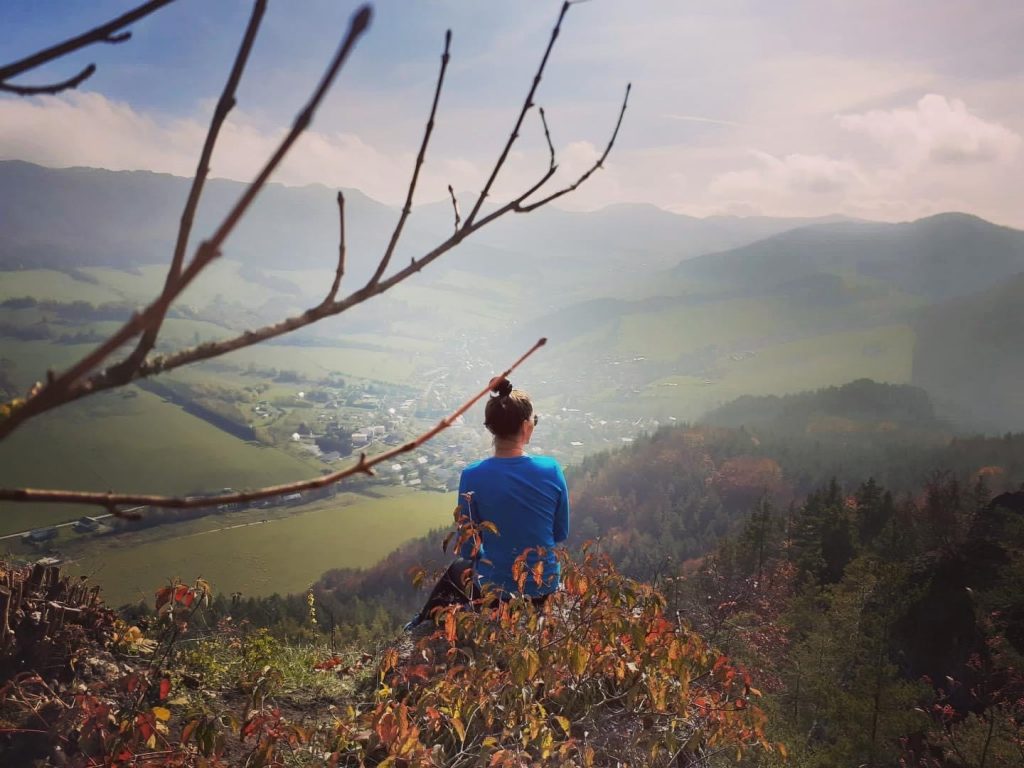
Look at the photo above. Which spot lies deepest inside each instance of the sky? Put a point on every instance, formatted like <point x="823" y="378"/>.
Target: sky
<point x="878" y="109"/>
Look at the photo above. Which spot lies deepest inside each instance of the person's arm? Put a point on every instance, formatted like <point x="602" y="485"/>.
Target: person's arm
<point x="561" y="525"/>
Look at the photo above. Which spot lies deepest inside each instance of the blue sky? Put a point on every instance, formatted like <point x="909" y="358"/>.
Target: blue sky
<point x="883" y="109"/>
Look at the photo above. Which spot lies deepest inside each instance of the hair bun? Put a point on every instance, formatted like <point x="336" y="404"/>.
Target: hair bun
<point x="503" y="388"/>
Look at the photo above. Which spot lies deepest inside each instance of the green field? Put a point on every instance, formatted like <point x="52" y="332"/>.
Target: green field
<point x="50" y="284"/>
<point x="282" y="555"/>
<point x="666" y="334"/>
<point x="317" y="362"/>
<point x="219" y="280"/>
<point x="882" y="353"/>
<point x="140" y="443"/>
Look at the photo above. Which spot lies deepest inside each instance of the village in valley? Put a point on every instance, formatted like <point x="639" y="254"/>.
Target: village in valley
<point x="342" y="423"/>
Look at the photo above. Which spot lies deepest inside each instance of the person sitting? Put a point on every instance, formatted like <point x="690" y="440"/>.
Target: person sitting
<point x="526" y="500"/>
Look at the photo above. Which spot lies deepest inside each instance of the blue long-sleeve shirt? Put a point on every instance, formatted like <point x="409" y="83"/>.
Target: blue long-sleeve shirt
<point x="526" y="498"/>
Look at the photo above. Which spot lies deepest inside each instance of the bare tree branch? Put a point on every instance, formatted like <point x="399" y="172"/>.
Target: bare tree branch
<point x="587" y="174"/>
<point x="224" y="106"/>
<point x="363" y="466"/>
<point x="340" y="271"/>
<point x="83" y="379"/>
<point x="547" y="136"/>
<point x="407" y="208"/>
<point x="59" y="390"/>
<point x="101" y="34"/>
<point x="519" y="121"/>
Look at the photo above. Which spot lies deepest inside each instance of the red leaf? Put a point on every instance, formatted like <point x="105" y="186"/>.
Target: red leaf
<point x="144" y="726"/>
<point x="250" y="727"/>
<point x="165" y="688"/>
<point x="330" y="663"/>
<point x="163" y="596"/>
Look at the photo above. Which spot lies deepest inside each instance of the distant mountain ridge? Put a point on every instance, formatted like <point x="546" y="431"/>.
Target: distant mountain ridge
<point x="938" y="257"/>
<point x="76" y="217"/>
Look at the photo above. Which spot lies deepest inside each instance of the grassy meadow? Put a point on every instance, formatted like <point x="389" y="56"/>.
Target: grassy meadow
<point x="260" y="558"/>
<point x="882" y="353"/>
<point x="130" y="440"/>
<point x="51" y="284"/>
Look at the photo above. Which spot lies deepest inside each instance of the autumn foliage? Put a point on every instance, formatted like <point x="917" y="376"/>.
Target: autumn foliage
<point x="599" y="675"/>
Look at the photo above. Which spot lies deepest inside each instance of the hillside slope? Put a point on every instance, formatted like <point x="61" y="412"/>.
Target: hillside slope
<point x="950" y="254"/>
<point x="968" y="355"/>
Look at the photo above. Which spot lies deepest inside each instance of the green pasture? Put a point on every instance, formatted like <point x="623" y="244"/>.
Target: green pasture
<point x="392" y="342"/>
<point x="469" y="283"/>
<point x="669" y="333"/>
<point x="53" y="285"/>
<point x="883" y="353"/>
<point x="219" y="281"/>
<point x="446" y="308"/>
<point x="281" y="555"/>
<point x="33" y="358"/>
<point x="116" y="441"/>
<point x="316" y="362"/>
<point x="141" y="284"/>
<point x="666" y="334"/>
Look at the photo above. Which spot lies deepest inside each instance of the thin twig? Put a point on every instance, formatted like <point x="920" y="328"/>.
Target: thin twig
<point x="224" y="106"/>
<point x="455" y="207"/>
<point x="547" y="135"/>
<point x="519" y="121"/>
<point x="363" y="466"/>
<point x="101" y="34"/>
<point x="45" y="90"/>
<point x="594" y="167"/>
<point x="340" y="271"/>
<point x="407" y="208"/>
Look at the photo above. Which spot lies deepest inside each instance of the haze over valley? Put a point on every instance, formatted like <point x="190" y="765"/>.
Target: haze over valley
<point x="653" y="318"/>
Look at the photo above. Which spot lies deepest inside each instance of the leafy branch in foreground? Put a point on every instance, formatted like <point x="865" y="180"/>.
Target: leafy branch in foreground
<point x="89" y="376"/>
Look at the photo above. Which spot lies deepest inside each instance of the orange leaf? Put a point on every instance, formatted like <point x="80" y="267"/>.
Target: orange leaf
<point x="449" y="627"/>
<point x="459" y="728"/>
<point x="538" y="573"/>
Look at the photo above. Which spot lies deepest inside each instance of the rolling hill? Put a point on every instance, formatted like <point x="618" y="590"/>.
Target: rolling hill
<point x="939" y="257"/>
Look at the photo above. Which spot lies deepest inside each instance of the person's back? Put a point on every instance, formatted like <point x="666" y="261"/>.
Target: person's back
<point x="526" y="499"/>
<point x="523" y="496"/>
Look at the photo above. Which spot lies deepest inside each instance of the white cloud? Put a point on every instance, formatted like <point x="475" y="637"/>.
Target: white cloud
<point x="90" y="130"/>
<point x="806" y="176"/>
<point x="932" y="155"/>
<point x="937" y="129"/>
